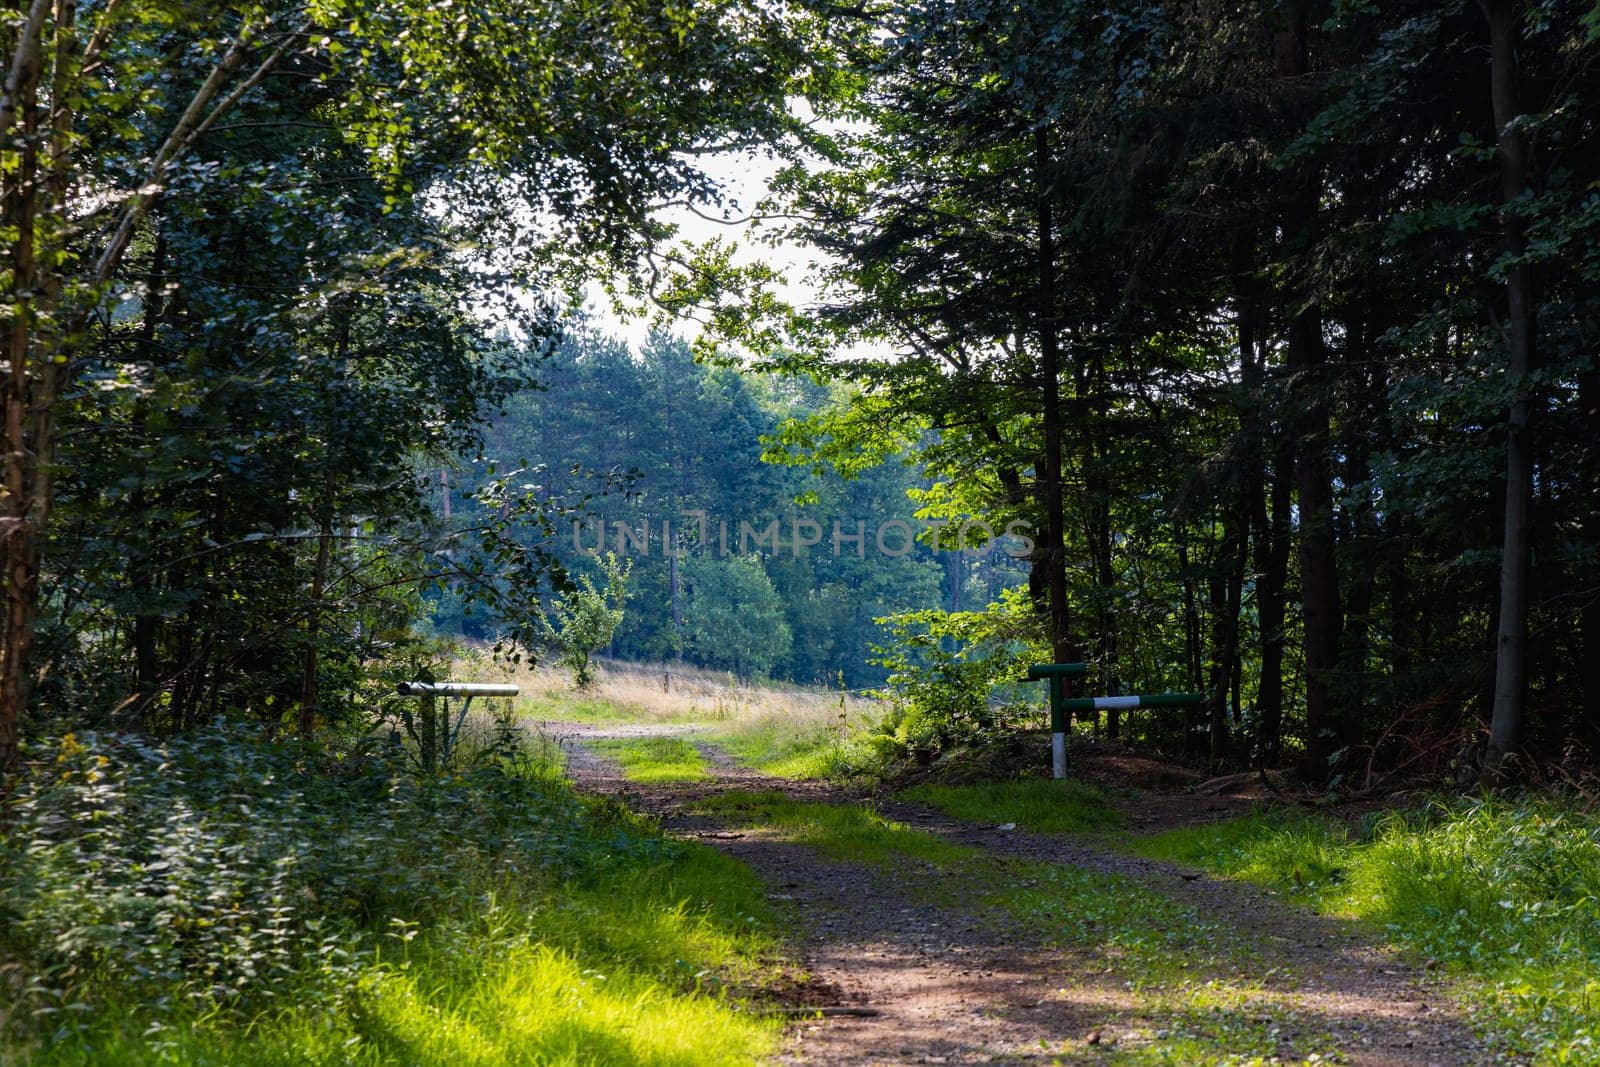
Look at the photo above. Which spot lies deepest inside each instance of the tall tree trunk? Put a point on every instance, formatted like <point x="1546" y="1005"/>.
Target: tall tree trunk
<point x="1589" y="578"/>
<point x="1272" y="563"/>
<point x="20" y="526"/>
<point x="1307" y="356"/>
<point x="1050" y="383"/>
<point x="1319" y="573"/>
<point x="1511" y="644"/>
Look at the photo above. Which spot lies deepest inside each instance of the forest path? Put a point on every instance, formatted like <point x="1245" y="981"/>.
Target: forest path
<point x="948" y="979"/>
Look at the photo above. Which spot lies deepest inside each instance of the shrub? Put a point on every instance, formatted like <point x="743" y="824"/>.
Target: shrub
<point x="217" y="872"/>
<point x="951" y="677"/>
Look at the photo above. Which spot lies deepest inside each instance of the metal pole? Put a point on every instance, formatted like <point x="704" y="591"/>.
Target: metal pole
<point x="1056" y="675"/>
<point x="1147" y="700"/>
<point x="1058" y="726"/>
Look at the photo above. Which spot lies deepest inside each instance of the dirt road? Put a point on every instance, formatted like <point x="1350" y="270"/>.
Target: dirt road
<point x="938" y="981"/>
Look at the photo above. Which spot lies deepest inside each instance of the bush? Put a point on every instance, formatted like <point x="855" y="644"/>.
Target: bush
<point x="952" y="678"/>
<point x="211" y="898"/>
<point x="582" y="620"/>
<point x="219" y="870"/>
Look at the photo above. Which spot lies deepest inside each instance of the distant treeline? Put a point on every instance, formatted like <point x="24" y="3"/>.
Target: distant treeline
<point x="766" y="569"/>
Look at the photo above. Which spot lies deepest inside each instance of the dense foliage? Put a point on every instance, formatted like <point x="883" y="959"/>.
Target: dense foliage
<point x="1271" y="323"/>
<point x="1280" y="313"/>
<point x="217" y="900"/>
<point x="265" y="263"/>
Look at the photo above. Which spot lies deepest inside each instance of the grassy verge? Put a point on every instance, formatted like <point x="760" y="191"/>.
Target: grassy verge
<point x="654" y="759"/>
<point x="1504" y="896"/>
<point x="784" y="748"/>
<point x="219" y="901"/>
<point x="1040" y="804"/>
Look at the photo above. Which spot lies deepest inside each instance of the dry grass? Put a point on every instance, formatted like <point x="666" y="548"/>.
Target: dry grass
<point x="667" y="693"/>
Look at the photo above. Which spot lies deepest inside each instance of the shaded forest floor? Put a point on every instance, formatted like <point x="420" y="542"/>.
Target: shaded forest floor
<point x="935" y="939"/>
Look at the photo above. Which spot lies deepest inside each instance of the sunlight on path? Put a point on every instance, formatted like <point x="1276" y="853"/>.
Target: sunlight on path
<point x="975" y="945"/>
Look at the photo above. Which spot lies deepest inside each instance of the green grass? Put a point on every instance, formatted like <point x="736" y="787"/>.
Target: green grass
<point x="1505" y="896"/>
<point x="516" y="924"/>
<point x="775" y="746"/>
<point x="1041" y="804"/>
<point x="654" y="759"/>
<point x="848" y="832"/>
<point x="572" y="707"/>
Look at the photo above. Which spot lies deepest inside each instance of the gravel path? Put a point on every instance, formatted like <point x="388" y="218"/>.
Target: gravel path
<point x="940" y="984"/>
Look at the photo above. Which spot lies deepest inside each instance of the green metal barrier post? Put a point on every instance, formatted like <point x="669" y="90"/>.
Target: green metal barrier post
<point x="1062" y="707"/>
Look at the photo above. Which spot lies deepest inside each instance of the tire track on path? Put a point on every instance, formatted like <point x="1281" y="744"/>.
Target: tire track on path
<point x="950" y="985"/>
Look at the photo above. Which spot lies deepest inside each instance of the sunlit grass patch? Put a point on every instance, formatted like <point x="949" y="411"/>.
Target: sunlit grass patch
<point x="1041" y="804"/>
<point x="554" y="707"/>
<point x="1506" y="896"/>
<point x="850" y="832"/>
<point x="1298" y="854"/>
<point x="655" y="759"/>
<point x="487" y="917"/>
<point x="542" y="1006"/>
<point x="786" y="748"/>
<point x="531" y="1004"/>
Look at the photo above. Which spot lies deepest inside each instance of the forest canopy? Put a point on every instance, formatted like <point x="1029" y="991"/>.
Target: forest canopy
<point x="397" y="667"/>
<point x="1271" y="323"/>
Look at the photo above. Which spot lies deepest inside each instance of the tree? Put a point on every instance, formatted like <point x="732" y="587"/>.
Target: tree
<point x="734" y="618"/>
<point x="64" y="253"/>
<point x="1511" y="151"/>
<point x="581" y="621"/>
<point x="116" y="132"/>
<point x="1338" y="434"/>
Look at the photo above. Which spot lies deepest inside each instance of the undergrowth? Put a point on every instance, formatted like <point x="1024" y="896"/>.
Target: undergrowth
<point x="1504" y="895"/>
<point x="222" y="900"/>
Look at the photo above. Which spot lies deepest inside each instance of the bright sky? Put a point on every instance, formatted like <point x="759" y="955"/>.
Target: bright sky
<point x="744" y="178"/>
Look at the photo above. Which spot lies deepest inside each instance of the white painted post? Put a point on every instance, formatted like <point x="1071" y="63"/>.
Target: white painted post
<point x="1058" y="755"/>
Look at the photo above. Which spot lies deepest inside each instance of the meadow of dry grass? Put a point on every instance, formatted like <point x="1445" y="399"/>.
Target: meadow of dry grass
<point x="653" y="692"/>
<point x="772" y="725"/>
